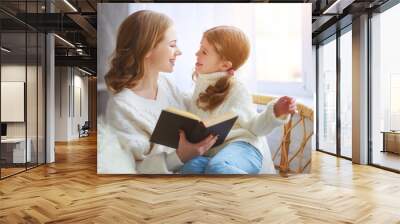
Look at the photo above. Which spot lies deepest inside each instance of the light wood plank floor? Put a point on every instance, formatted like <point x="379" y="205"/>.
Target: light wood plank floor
<point x="10" y="171"/>
<point x="70" y="191"/>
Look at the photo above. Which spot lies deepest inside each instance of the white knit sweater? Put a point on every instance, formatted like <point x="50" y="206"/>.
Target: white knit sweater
<point x="251" y="126"/>
<point x="132" y="118"/>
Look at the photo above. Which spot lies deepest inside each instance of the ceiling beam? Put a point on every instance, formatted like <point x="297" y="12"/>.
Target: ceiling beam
<point x="83" y="61"/>
<point x="337" y="7"/>
<point x="84" y="24"/>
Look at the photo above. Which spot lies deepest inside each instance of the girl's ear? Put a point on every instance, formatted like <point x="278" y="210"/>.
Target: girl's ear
<point x="148" y="54"/>
<point x="226" y="65"/>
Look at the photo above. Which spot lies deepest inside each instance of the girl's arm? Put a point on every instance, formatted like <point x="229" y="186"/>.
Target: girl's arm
<point x="263" y="123"/>
<point x="133" y="137"/>
<point x="260" y="124"/>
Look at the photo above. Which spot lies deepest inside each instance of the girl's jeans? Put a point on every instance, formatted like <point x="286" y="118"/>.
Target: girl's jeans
<point x="235" y="158"/>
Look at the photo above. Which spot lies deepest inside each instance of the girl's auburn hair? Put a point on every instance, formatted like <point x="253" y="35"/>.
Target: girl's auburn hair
<point x="231" y="44"/>
<point x="137" y="35"/>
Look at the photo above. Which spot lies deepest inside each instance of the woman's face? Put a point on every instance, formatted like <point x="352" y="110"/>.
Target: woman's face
<point x="162" y="57"/>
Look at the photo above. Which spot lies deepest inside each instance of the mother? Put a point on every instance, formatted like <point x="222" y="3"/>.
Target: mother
<point x="146" y="46"/>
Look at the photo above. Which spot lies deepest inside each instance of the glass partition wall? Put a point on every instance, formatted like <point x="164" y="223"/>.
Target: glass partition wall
<point x="22" y="87"/>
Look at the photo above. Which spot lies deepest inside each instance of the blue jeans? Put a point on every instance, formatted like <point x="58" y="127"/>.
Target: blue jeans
<point x="235" y="158"/>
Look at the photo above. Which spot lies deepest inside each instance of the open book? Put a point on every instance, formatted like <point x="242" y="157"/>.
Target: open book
<point x="172" y="120"/>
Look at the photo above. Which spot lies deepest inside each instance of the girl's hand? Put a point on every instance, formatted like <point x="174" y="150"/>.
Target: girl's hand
<point x="187" y="151"/>
<point x="284" y="106"/>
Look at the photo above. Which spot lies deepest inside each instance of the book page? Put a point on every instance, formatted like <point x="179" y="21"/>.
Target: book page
<point x="182" y="113"/>
<point x="218" y="119"/>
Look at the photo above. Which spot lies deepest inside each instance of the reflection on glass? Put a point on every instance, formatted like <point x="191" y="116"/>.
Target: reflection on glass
<point x="346" y="94"/>
<point x="327" y="97"/>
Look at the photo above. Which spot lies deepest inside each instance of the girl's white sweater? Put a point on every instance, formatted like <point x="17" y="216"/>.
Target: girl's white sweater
<point x="251" y="126"/>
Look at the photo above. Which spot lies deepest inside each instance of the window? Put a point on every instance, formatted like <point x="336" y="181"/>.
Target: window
<point x="282" y="49"/>
<point x="327" y="96"/>
<point x="346" y="94"/>
<point x="283" y="36"/>
<point x="394" y="101"/>
<point x="385" y="84"/>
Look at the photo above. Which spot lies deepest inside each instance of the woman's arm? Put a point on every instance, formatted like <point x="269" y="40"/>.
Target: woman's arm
<point x="133" y="136"/>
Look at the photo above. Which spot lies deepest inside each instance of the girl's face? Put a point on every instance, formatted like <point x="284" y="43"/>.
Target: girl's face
<point x="162" y="57"/>
<point x="208" y="60"/>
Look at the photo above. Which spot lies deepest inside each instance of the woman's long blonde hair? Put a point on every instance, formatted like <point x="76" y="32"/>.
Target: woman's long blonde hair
<point x="231" y="44"/>
<point x="137" y="35"/>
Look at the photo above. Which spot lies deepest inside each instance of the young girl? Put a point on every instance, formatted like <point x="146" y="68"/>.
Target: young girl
<point x="223" y="50"/>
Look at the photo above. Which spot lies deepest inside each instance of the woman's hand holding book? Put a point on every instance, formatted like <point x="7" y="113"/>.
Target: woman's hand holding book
<point x="187" y="151"/>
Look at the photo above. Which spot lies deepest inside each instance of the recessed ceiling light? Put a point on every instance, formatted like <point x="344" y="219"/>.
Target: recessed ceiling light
<point x="64" y="40"/>
<point x="70" y="5"/>
<point x="338" y="6"/>
<point x="5" y="50"/>
<point x="84" y="71"/>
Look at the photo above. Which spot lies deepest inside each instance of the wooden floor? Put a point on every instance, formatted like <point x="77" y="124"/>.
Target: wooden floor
<point x="70" y="191"/>
<point x="5" y="172"/>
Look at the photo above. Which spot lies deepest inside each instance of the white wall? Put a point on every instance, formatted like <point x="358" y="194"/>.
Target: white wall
<point x="70" y="83"/>
<point x="80" y="103"/>
<point x="16" y="73"/>
<point x="61" y="104"/>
